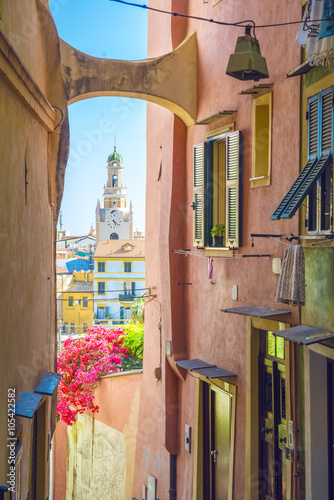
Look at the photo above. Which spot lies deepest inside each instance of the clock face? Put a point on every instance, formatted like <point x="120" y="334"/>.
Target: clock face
<point x="114" y="219"/>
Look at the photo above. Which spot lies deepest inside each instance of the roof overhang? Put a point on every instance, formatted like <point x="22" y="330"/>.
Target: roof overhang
<point x="305" y="335"/>
<point x="300" y="70"/>
<point x="204" y="369"/>
<point x="48" y="383"/>
<point x="259" y="312"/>
<point x="26" y="404"/>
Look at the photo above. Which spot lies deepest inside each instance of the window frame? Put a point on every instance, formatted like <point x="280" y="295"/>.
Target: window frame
<point x="318" y="186"/>
<point x="101" y="265"/>
<point x="203" y="182"/>
<point x="70" y="302"/>
<point x="84" y="301"/>
<point x="127" y="264"/>
<point x="261" y="180"/>
<point x="99" y="291"/>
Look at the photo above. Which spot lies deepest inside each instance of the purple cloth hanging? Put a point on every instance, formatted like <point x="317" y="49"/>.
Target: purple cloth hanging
<point x="210" y="268"/>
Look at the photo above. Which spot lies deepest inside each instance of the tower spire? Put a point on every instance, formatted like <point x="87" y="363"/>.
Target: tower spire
<point x="115" y="143"/>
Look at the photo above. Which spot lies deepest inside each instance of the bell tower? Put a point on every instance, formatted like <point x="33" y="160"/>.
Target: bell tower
<point x="114" y="220"/>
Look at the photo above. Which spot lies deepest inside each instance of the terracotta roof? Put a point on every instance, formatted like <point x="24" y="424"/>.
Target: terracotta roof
<point x="60" y="270"/>
<point x="113" y="249"/>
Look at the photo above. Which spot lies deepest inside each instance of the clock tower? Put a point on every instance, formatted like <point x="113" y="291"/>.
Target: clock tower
<point x="115" y="219"/>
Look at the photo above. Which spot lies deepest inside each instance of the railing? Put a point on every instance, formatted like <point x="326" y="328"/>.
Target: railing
<point x="127" y="297"/>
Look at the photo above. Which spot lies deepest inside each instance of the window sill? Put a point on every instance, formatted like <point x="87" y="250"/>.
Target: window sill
<point x="260" y="181"/>
<point x="218" y="252"/>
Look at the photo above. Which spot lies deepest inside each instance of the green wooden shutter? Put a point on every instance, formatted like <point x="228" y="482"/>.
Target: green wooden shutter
<point x="121" y="312"/>
<point x="233" y="227"/>
<point x="133" y="288"/>
<point x="198" y="195"/>
<point x="326" y="121"/>
<point x="313" y="112"/>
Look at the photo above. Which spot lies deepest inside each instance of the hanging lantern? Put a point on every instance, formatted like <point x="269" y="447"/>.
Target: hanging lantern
<point x="247" y="63"/>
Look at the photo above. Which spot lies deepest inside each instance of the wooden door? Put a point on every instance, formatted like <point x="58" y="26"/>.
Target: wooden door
<point x="272" y="429"/>
<point x="221" y="411"/>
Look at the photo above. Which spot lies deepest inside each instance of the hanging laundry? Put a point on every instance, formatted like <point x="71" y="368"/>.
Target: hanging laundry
<point x="314" y="33"/>
<point x="210" y="268"/>
<point x="327" y="19"/>
<point x="291" y="283"/>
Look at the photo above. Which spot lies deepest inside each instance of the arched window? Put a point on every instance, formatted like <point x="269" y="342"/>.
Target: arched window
<point x="114" y="236"/>
<point x="114" y="181"/>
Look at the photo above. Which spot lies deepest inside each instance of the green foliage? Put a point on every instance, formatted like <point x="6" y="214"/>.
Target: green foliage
<point x="137" y="310"/>
<point x="134" y="339"/>
<point x="218" y="230"/>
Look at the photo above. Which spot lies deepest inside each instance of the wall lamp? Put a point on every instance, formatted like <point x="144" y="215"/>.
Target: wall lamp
<point x="247" y="63"/>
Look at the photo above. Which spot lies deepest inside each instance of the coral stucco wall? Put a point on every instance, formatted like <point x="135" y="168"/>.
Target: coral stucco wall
<point x="191" y="315"/>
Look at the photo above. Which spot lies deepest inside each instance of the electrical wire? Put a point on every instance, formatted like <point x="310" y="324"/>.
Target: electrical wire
<point x="107" y="291"/>
<point x="238" y="24"/>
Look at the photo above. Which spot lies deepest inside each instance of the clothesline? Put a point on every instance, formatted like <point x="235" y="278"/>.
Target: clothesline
<point x="197" y="254"/>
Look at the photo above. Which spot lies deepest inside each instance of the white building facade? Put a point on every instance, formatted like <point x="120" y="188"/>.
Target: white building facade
<point x="119" y="279"/>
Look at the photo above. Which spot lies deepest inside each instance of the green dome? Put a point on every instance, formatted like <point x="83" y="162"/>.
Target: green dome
<point x="115" y="157"/>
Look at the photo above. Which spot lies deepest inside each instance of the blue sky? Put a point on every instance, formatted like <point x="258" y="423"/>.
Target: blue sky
<point x="103" y="29"/>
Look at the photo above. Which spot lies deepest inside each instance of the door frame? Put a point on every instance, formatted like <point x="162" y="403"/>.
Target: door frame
<point x="253" y="325"/>
<point x="227" y="387"/>
<point x="316" y="437"/>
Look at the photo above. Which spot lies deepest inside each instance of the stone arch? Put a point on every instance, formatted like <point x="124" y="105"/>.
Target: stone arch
<point x="168" y="80"/>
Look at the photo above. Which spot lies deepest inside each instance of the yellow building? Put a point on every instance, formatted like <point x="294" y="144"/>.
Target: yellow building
<point x="78" y="303"/>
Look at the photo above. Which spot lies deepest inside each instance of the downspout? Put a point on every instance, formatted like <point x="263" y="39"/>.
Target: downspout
<point x="172" y="477"/>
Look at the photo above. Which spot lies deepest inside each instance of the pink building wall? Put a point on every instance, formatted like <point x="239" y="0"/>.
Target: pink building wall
<point x="191" y="315"/>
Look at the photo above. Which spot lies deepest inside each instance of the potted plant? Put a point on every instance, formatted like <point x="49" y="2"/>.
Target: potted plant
<point x="217" y="233"/>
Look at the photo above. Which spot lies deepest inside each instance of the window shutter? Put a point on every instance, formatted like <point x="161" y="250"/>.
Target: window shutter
<point x="326" y="121"/>
<point x="198" y="195"/>
<point x="313" y="113"/>
<point x="121" y="312"/>
<point x="233" y="226"/>
<point x="133" y="288"/>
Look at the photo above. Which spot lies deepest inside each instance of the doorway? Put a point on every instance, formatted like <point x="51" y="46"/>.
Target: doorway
<point x="217" y="443"/>
<point x="272" y="418"/>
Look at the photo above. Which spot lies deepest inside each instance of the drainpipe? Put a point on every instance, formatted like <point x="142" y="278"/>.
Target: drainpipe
<point x="172" y="477"/>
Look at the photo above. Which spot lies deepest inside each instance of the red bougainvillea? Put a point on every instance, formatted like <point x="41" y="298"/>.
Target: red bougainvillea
<point x="82" y="363"/>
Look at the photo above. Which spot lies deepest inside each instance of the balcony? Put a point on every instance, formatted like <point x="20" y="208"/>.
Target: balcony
<point x="127" y="297"/>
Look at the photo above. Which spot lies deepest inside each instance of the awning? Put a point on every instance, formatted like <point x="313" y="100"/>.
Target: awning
<point x="301" y="187"/>
<point x="304" y="334"/>
<point x="48" y="383"/>
<point x="203" y="368"/>
<point x="259" y="312"/>
<point x="26" y="404"/>
<point x="300" y="70"/>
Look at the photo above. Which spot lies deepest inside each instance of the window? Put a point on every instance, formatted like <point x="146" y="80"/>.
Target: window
<point x="84" y="301"/>
<point x="127" y="288"/>
<point x="114" y="236"/>
<point x="127" y="313"/>
<point x="101" y="267"/>
<point x="65" y="328"/>
<point x="216" y="189"/>
<point x="101" y="288"/>
<point x="114" y="181"/>
<point x="127" y="267"/>
<point x="85" y="326"/>
<point x="261" y="140"/>
<point x="315" y="180"/>
<point x="101" y="312"/>
<point x="70" y="301"/>
<point x="72" y="327"/>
